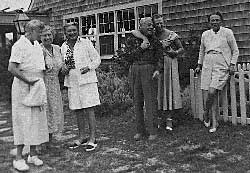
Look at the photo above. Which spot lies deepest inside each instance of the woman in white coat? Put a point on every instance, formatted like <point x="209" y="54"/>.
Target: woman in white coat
<point x="81" y="59"/>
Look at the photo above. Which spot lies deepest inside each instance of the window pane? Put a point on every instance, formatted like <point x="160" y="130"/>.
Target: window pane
<point x="84" y="21"/>
<point x="132" y="25"/>
<point x="147" y="11"/>
<point x="111" y="16"/>
<point x="126" y="25"/>
<point x="87" y="23"/>
<point x="155" y="9"/>
<point x="101" y="28"/>
<point x="106" y="45"/>
<point x="111" y="27"/>
<point x="126" y="19"/>
<point x="119" y="16"/>
<point x="125" y="15"/>
<point x="84" y="31"/>
<point x="141" y="12"/>
<point x="131" y="14"/>
<point x="106" y="22"/>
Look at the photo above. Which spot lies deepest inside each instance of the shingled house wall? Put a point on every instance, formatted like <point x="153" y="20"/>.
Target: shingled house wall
<point x="187" y="17"/>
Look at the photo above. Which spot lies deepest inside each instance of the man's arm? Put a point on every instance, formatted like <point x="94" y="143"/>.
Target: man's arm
<point x="201" y="55"/>
<point x="145" y="44"/>
<point x="202" y="50"/>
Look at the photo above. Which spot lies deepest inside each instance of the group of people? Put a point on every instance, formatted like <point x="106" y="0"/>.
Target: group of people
<point x="153" y="51"/>
<point x="37" y="107"/>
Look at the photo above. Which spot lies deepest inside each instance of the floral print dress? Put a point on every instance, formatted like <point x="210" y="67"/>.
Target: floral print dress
<point x="54" y="109"/>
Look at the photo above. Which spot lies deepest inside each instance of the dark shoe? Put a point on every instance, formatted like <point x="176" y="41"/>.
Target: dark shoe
<point x="91" y="146"/>
<point x="77" y="143"/>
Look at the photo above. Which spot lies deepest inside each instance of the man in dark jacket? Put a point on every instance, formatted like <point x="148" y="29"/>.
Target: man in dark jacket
<point x="144" y="58"/>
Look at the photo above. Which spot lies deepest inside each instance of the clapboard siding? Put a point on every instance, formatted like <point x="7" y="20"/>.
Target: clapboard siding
<point x="183" y="16"/>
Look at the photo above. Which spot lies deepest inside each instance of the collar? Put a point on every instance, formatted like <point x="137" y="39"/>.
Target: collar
<point x="77" y="40"/>
<point x="217" y="31"/>
<point x="28" y="41"/>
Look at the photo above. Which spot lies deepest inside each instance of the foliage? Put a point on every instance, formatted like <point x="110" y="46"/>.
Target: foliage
<point x="114" y="92"/>
<point x="5" y="77"/>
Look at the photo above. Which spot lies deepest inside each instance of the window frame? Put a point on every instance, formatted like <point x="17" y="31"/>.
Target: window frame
<point x="113" y="9"/>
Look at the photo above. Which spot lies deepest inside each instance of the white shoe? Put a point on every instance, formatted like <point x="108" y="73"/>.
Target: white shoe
<point x="212" y="130"/>
<point x="207" y="124"/>
<point x="20" y="165"/>
<point x="35" y="160"/>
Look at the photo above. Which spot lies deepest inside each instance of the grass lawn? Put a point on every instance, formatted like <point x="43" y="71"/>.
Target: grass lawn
<point x="189" y="148"/>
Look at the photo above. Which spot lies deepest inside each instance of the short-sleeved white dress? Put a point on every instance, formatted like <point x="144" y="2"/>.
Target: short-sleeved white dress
<point x="29" y="123"/>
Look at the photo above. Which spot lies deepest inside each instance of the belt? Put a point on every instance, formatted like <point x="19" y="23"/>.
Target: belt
<point x="213" y="52"/>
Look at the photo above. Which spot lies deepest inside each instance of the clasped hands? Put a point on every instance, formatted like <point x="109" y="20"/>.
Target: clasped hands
<point x="65" y="70"/>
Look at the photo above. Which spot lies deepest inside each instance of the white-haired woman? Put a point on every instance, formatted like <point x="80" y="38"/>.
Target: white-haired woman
<point x="53" y="63"/>
<point x="28" y="118"/>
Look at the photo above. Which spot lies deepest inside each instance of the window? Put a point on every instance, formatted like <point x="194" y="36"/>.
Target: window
<point x="108" y="28"/>
<point x="107" y="45"/>
<point x="106" y="22"/>
<point x="71" y="20"/>
<point x="87" y="23"/>
<point x="147" y="11"/>
<point x="126" y="20"/>
<point x="76" y="19"/>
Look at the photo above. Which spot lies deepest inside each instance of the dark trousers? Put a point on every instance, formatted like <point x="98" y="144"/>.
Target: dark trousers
<point x="144" y="89"/>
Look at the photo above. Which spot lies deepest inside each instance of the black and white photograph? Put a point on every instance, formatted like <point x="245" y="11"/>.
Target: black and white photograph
<point x="125" y="86"/>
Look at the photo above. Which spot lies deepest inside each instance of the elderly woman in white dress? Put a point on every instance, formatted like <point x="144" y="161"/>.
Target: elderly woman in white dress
<point x="81" y="60"/>
<point x="217" y="58"/>
<point x="28" y="116"/>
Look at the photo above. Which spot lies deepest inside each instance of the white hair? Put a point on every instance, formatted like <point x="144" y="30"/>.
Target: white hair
<point x="33" y="24"/>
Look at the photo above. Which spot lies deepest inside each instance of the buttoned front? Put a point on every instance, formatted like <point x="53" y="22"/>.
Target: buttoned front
<point x="223" y="41"/>
<point x="84" y="55"/>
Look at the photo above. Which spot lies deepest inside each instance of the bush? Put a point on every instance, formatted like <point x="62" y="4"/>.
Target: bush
<point x="114" y="92"/>
<point x="5" y="77"/>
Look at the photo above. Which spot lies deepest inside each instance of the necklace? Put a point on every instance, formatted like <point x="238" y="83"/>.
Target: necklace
<point x="49" y="50"/>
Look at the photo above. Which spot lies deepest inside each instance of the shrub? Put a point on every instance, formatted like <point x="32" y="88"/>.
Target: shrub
<point x="114" y="92"/>
<point x="5" y="77"/>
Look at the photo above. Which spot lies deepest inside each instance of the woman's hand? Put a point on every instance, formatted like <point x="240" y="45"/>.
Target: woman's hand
<point x="65" y="70"/>
<point x="156" y="74"/>
<point x="145" y="44"/>
<point x="84" y="70"/>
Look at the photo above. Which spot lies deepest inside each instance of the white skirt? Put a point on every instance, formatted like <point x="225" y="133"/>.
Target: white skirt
<point x="29" y="123"/>
<point x="83" y="96"/>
